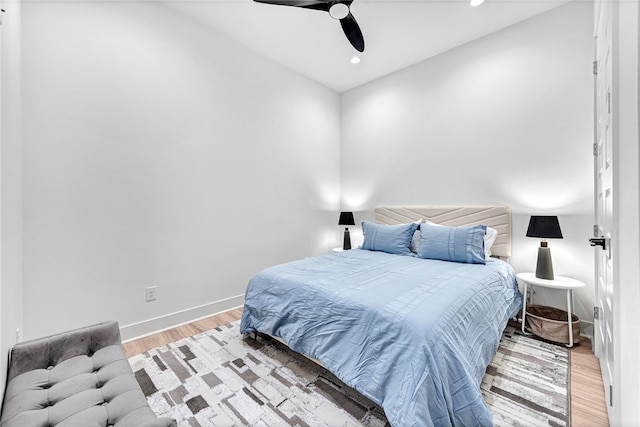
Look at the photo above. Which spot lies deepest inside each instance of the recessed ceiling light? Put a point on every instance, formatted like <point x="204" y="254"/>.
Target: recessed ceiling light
<point x="355" y="59"/>
<point x="475" y="3"/>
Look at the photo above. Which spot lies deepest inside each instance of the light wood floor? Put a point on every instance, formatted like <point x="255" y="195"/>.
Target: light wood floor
<point x="588" y="407"/>
<point x="152" y="341"/>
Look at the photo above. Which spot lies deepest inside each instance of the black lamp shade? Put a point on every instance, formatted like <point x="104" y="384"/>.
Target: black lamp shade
<point x="346" y="218"/>
<point x="545" y="227"/>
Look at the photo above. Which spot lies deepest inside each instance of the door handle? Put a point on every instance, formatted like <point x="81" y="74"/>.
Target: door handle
<point x="599" y="241"/>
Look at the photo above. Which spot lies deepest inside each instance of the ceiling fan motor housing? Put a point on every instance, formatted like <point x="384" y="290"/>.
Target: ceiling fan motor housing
<point x="339" y="10"/>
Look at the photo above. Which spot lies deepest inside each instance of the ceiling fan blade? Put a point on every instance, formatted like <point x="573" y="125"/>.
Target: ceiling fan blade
<point x="349" y="25"/>
<point x="352" y="31"/>
<point x="307" y="4"/>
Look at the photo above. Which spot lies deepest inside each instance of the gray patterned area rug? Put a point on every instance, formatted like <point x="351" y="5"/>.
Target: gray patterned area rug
<point x="220" y="378"/>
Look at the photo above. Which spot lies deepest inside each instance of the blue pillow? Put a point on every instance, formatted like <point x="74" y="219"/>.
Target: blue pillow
<point x="394" y="239"/>
<point x="458" y="244"/>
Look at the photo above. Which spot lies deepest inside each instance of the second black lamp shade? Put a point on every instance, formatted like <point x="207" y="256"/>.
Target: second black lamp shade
<point x="545" y="227"/>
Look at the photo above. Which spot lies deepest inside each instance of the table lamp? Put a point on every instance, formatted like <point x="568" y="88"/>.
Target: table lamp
<point x="544" y="227"/>
<point x="346" y="218"/>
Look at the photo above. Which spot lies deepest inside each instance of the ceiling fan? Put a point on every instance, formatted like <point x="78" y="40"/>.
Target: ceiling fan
<point x="340" y="10"/>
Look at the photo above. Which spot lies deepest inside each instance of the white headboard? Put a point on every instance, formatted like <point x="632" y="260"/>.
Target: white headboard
<point x="498" y="217"/>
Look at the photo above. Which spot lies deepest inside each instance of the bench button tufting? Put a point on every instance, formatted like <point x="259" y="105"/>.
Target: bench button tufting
<point x="74" y="381"/>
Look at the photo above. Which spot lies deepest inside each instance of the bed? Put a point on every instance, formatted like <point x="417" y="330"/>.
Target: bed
<point x="413" y="331"/>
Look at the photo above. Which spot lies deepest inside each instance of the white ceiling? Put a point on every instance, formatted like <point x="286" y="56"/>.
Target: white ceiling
<point x="397" y="33"/>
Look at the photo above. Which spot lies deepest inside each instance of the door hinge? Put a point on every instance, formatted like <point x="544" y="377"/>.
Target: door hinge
<point x="595" y="149"/>
<point x="595" y="67"/>
<point x="596" y="313"/>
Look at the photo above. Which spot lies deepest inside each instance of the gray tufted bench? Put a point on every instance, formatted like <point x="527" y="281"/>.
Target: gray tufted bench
<point x="79" y="378"/>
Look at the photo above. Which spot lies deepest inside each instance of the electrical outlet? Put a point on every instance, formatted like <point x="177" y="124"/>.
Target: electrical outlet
<point x="18" y="335"/>
<point x="151" y="293"/>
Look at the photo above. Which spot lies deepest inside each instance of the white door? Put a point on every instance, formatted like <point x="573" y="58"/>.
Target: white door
<point x="603" y="151"/>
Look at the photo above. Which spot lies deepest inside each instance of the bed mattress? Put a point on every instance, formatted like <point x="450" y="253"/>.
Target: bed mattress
<point x="414" y="335"/>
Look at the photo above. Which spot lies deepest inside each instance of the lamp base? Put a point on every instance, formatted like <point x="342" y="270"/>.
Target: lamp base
<point x="346" y="244"/>
<point x="544" y="267"/>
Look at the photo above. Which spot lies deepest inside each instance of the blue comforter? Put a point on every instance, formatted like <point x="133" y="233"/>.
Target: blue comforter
<point x="414" y="335"/>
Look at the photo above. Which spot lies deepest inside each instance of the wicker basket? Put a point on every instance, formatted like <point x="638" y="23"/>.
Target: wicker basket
<point x="551" y="323"/>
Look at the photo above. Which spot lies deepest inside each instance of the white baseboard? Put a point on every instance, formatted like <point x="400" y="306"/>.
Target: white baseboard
<point x="148" y="327"/>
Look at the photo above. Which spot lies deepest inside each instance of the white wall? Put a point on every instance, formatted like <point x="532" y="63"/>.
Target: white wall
<point x="10" y="187"/>
<point x="506" y="119"/>
<point x="157" y="152"/>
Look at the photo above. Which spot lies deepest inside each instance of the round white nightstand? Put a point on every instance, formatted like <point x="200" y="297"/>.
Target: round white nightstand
<point x="559" y="282"/>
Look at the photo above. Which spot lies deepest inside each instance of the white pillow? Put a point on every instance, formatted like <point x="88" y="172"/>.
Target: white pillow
<point x="490" y="237"/>
<point x="415" y="240"/>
